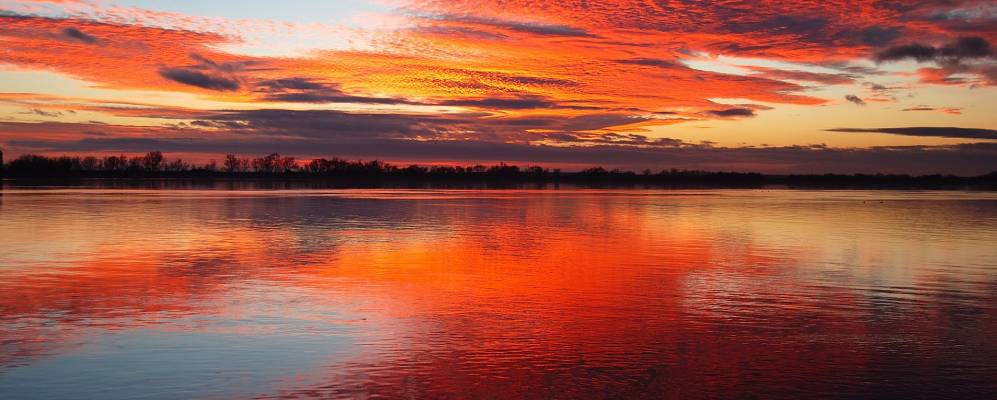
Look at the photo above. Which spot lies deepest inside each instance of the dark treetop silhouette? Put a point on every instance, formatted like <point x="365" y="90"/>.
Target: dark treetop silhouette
<point x="154" y="165"/>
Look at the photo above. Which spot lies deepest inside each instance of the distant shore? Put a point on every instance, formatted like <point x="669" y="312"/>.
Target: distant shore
<point x="274" y="170"/>
<point x="705" y="180"/>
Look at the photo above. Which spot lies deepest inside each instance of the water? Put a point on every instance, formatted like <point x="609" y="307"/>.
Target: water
<point x="684" y="294"/>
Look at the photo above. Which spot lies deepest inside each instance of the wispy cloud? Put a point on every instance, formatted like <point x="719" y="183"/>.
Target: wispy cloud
<point x="933" y="131"/>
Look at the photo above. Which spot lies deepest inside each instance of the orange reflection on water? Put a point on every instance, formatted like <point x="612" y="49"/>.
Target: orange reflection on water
<point x="518" y="294"/>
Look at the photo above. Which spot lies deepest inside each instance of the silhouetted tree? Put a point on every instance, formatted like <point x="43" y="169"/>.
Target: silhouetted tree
<point x="234" y="164"/>
<point x="90" y="164"/>
<point x="319" y="166"/>
<point x="114" y="163"/>
<point x="285" y="164"/>
<point x="153" y="161"/>
<point x="211" y="166"/>
<point x="266" y="164"/>
<point x="178" y="165"/>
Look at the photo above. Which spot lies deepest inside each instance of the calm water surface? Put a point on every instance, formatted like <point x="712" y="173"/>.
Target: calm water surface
<point x="129" y="294"/>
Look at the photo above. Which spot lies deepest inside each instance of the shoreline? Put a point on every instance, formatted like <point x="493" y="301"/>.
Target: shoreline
<point x="572" y="181"/>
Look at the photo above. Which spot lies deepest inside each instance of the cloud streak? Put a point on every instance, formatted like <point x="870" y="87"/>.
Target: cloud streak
<point x="855" y="100"/>
<point x="78" y="35"/>
<point x="199" y="79"/>
<point x="948" y="132"/>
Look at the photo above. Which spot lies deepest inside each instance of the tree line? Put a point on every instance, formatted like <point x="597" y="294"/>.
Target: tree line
<point x="275" y="166"/>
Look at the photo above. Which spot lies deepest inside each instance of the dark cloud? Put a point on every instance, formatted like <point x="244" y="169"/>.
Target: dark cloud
<point x="279" y="85"/>
<point x="204" y="63"/>
<point x="525" y="27"/>
<point x="855" y="99"/>
<point x="877" y="36"/>
<point x="339" y="125"/>
<point x="343" y="125"/>
<point x="209" y="74"/>
<point x="73" y="33"/>
<point x="950" y="132"/>
<point x="731" y="112"/>
<point x="326" y="97"/>
<point x="809" y="26"/>
<point x="967" y="47"/>
<point x="953" y="58"/>
<point x="592" y="122"/>
<point x="652" y="62"/>
<point x="876" y="87"/>
<point x="199" y="79"/>
<point x="916" y="51"/>
<point x="44" y="113"/>
<point x="617" y="139"/>
<point x="947" y="110"/>
<point x="305" y="90"/>
<point x="535" y="80"/>
<point x="530" y="102"/>
<point x="813" y="28"/>
<point x="794" y="75"/>
<point x="962" y="48"/>
<point x="852" y="69"/>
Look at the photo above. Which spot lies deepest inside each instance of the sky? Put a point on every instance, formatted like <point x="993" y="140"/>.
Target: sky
<point x="768" y="86"/>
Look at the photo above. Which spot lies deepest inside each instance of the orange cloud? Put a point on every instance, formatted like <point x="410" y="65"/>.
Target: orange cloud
<point x="114" y="55"/>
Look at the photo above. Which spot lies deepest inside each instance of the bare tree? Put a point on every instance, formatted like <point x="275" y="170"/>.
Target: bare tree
<point x="153" y="161"/>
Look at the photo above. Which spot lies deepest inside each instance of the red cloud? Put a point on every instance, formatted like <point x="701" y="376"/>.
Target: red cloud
<point x="114" y="55"/>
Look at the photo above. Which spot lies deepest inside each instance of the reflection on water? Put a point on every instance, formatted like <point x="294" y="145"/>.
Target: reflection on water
<point x="124" y="293"/>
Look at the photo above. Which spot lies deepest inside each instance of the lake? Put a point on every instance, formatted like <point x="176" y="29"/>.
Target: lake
<point x="123" y="293"/>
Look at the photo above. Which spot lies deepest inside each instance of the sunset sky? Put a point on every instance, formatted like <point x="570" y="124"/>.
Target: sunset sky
<point x="772" y="86"/>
